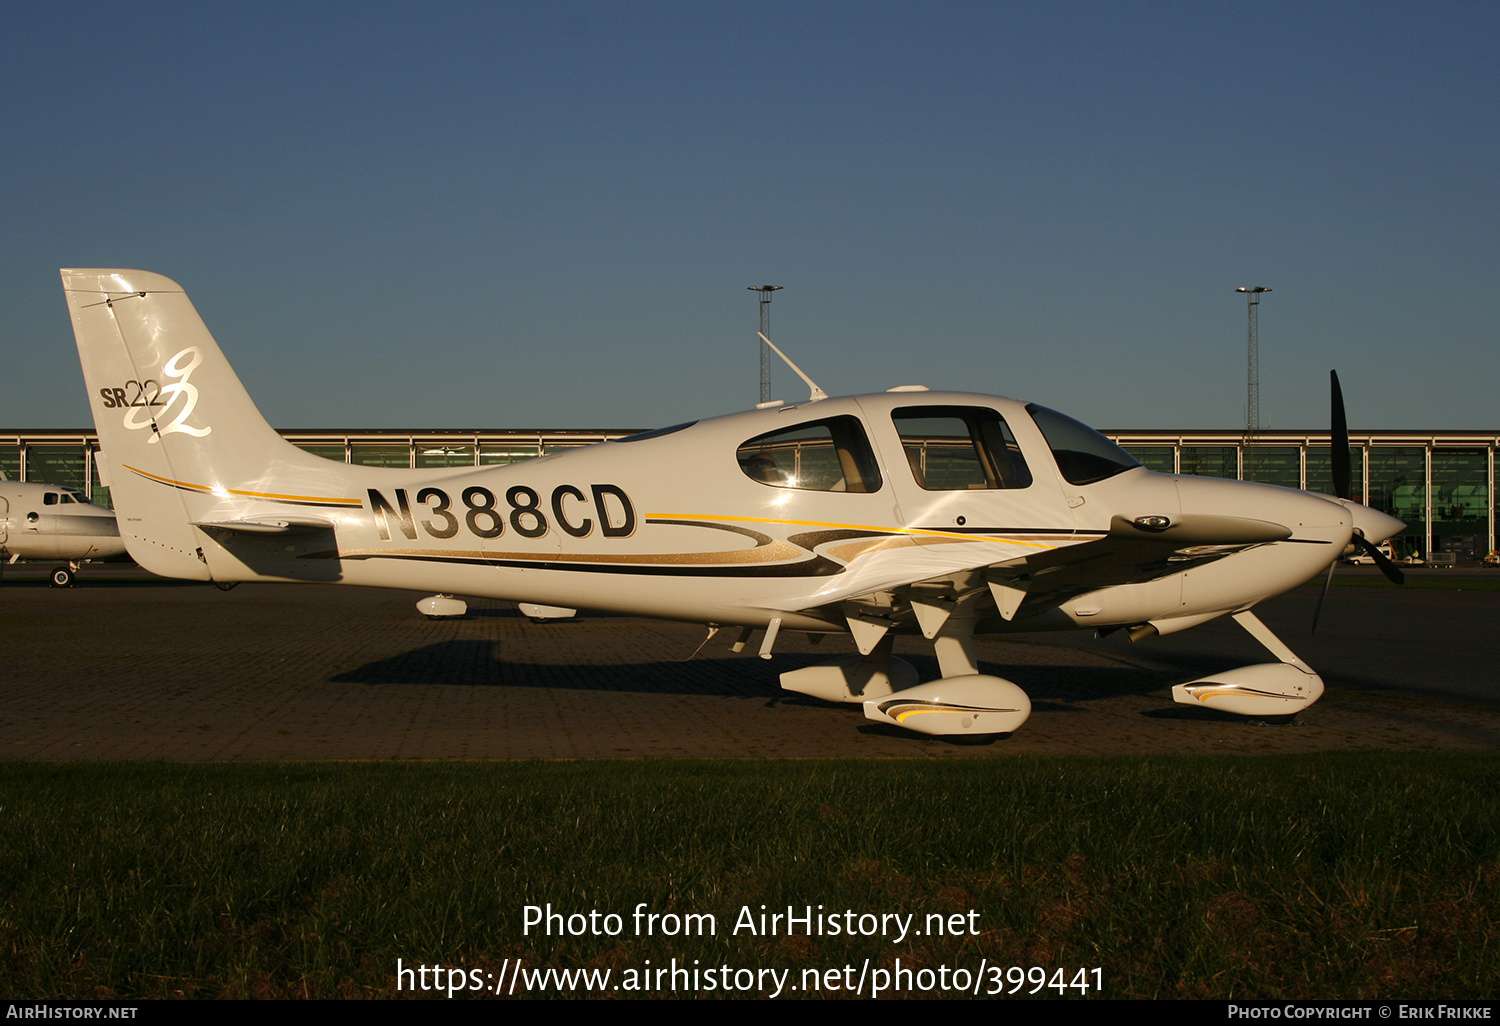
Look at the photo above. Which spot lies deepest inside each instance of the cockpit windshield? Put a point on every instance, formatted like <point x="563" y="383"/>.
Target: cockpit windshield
<point x="1083" y="454"/>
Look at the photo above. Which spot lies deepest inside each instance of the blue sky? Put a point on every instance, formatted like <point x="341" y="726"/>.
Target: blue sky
<point x="546" y="215"/>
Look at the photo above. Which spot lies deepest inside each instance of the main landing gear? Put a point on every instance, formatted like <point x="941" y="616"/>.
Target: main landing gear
<point x="965" y="701"/>
<point x="962" y="701"/>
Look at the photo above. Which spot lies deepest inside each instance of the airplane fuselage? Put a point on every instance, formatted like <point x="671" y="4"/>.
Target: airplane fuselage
<point x="677" y="524"/>
<point x="49" y="522"/>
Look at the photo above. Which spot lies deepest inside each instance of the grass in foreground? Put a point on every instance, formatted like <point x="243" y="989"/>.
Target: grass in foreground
<point x="1298" y="877"/>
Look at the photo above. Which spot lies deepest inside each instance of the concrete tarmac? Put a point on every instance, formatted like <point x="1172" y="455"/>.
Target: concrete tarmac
<point x="124" y="666"/>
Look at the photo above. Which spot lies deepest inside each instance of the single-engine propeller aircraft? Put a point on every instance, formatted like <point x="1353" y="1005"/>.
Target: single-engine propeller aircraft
<point x="49" y="522"/>
<point x="907" y="512"/>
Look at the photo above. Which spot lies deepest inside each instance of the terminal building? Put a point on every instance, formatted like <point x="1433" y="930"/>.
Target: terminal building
<point x="1442" y="484"/>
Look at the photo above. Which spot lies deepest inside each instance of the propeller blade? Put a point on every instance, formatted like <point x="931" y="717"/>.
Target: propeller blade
<point x="1318" y="609"/>
<point x="1391" y="571"/>
<point x="1342" y="487"/>
<point x="1339" y="442"/>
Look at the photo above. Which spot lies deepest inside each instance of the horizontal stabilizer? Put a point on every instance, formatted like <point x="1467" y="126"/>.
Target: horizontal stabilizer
<point x="278" y="525"/>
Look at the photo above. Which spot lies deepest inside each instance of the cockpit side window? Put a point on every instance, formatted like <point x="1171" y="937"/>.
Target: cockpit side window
<point x="825" y="456"/>
<point x="956" y="448"/>
<point x="1083" y="454"/>
<point x="49" y="499"/>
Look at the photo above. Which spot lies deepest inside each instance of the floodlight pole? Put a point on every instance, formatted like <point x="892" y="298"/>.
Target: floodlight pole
<point x="765" y="329"/>
<point x="1252" y="360"/>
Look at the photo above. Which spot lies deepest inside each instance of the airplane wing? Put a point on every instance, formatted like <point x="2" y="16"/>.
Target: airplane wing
<point x="1133" y="552"/>
<point x="1029" y="576"/>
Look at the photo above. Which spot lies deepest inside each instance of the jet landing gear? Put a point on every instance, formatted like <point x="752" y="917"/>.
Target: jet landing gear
<point x="962" y="701"/>
<point x="62" y="577"/>
<point x="1262" y="690"/>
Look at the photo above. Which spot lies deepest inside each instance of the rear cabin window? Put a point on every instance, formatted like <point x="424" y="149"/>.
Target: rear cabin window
<point x="825" y="456"/>
<point x="958" y="448"/>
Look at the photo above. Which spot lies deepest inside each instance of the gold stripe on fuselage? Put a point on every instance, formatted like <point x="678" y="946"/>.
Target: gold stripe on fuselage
<point x="213" y="490"/>
<point x="999" y="535"/>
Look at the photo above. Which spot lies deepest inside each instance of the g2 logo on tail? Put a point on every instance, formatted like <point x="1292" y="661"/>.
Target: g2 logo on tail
<point x="150" y="395"/>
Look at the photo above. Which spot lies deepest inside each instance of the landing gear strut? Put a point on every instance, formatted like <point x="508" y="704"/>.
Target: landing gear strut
<point x="962" y="701"/>
<point x="1265" y="689"/>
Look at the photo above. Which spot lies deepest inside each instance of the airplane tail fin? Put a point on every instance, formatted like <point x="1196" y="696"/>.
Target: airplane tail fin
<point x="185" y="444"/>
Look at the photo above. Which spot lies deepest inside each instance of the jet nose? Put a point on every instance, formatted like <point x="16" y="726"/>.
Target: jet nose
<point x="1374" y="525"/>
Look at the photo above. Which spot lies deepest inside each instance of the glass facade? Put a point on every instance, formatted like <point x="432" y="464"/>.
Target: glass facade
<point x="493" y="453"/>
<point x="1211" y="460"/>
<point x="1444" y="492"/>
<point x="434" y="454"/>
<point x="59" y="465"/>
<point x="328" y="452"/>
<point x="1160" y="458"/>
<point x="1441" y="485"/>
<point x="98" y="494"/>
<point x="1461" y="502"/>
<point x="1320" y="471"/>
<point x="1398" y="486"/>
<point x="1274" y="465"/>
<point x="366" y="454"/>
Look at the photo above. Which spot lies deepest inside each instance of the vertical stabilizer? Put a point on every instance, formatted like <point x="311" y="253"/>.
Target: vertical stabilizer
<point x="184" y="441"/>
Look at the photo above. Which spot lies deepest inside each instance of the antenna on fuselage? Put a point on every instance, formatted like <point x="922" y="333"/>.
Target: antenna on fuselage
<point x="817" y="393"/>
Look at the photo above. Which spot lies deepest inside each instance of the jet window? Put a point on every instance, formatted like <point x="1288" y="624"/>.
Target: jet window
<point x="825" y="456"/>
<point x="49" y="499"/>
<point x="1083" y="454"/>
<point x="954" y="448"/>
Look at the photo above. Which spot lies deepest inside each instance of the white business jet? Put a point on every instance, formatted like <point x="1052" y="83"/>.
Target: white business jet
<point x="908" y="512"/>
<point x="43" y="522"/>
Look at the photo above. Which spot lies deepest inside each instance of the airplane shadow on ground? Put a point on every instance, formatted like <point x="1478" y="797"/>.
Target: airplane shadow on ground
<point x="479" y="663"/>
<point x="1052" y="688"/>
<point x="31" y="579"/>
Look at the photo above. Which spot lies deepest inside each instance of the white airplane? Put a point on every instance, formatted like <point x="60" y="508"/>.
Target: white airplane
<point x="907" y="512"/>
<point x="50" y="522"/>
